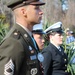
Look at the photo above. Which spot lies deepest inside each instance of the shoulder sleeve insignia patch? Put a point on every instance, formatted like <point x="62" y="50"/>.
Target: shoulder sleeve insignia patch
<point x="9" y="68"/>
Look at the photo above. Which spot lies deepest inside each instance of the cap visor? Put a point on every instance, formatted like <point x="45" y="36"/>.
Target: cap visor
<point x="38" y="3"/>
<point x="60" y="31"/>
<point x="38" y="32"/>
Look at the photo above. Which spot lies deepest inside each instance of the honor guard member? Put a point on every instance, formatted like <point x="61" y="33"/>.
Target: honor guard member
<point x="38" y="35"/>
<point x="55" y="60"/>
<point x="18" y="54"/>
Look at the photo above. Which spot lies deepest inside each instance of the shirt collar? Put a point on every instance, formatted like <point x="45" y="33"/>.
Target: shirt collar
<point x="55" y="45"/>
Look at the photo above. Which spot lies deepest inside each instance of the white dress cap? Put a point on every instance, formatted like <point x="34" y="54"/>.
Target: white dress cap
<point x="54" y="26"/>
<point x="38" y="26"/>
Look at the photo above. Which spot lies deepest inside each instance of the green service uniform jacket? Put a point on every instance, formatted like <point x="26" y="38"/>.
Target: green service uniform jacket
<point x="18" y="55"/>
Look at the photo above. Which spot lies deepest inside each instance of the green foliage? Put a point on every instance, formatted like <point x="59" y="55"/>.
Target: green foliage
<point x="45" y="26"/>
<point x="70" y="51"/>
<point x="4" y="27"/>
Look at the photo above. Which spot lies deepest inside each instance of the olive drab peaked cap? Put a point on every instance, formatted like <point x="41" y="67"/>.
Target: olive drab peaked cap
<point x="13" y="4"/>
<point x="57" y="27"/>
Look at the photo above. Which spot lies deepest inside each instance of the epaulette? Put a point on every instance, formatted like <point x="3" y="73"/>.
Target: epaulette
<point x="16" y="34"/>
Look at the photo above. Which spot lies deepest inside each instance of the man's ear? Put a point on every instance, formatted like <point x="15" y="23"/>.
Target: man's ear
<point x="23" y="11"/>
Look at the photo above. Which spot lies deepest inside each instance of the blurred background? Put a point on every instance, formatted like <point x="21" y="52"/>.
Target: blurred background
<point x="54" y="11"/>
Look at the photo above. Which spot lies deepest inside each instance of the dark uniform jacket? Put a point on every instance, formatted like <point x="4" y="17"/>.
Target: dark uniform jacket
<point x="18" y="55"/>
<point x="55" y="62"/>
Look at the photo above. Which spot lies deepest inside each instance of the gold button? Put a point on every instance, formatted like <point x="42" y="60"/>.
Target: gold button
<point x="64" y="59"/>
<point x="15" y="33"/>
<point x="65" y="65"/>
<point x="25" y="35"/>
<point x="65" y="70"/>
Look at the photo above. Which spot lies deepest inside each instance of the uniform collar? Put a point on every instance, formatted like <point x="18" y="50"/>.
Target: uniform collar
<point x="25" y="34"/>
<point x="55" y="45"/>
<point x="25" y="29"/>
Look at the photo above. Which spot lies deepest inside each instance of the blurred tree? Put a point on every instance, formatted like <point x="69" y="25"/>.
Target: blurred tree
<point x="4" y="27"/>
<point x="53" y="12"/>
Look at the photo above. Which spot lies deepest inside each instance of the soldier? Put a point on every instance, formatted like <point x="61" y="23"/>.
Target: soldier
<point x="55" y="60"/>
<point x="18" y="54"/>
<point x="38" y="35"/>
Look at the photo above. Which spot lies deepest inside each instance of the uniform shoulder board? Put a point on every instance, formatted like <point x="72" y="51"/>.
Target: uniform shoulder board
<point x="16" y="34"/>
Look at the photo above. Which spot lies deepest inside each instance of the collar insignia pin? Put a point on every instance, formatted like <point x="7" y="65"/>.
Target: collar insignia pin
<point x="30" y="48"/>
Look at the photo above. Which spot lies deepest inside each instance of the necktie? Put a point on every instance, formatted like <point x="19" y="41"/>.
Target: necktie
<point x="59" y="49"/>
<point x="34" y="42"/>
